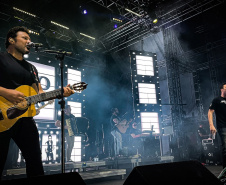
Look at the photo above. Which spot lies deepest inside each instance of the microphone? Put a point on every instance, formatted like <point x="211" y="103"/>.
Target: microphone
<point x="35" y="45"/>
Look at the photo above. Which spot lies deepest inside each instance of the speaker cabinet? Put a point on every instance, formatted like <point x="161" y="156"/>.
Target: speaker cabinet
<point x="177" y="173"/>
<point x="55" y="179"/>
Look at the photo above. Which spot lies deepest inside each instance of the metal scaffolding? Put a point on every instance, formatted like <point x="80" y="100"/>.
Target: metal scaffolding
<point x="136" y="28"/>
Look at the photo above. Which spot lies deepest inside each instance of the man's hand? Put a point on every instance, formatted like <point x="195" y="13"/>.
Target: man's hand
<point x="14" y="96"/>
<point x="213" y="130"/>
<point x="68" y="91"/>
<point x="210" y="119"/>
<point x="58" y="123"/>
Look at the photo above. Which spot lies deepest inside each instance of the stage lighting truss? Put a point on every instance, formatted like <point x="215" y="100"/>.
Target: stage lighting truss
<point x="146" y="90"/>
<point x="22" y="11"/>
<point x="24" y="16"/>
<point x="136" y="27"/>
<point x="60" y="25"/>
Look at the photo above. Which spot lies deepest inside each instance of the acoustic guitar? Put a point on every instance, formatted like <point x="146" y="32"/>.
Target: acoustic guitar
<point x="11" y="113"/>
<point x="123" y="125"/>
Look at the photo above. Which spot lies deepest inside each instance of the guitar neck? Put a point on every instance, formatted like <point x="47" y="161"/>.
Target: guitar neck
<point x="43" y="96"/>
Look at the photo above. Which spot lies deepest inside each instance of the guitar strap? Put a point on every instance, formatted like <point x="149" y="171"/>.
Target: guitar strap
<point x="34" y="75"/>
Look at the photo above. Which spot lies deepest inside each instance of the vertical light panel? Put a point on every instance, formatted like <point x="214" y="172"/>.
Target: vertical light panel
<point x="147" y="93"/>
<point x="76" y="108"/>
<point x="144" y="65"/>
<point x="76" y="154"/>
<point x="49" y="139"/>
<point x="149" y="121"/>
<point x="47" y="79"/>
<point x="74" y="76"/>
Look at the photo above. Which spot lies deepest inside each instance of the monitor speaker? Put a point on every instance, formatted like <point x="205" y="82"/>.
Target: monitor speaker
<point x="176" y="173"/>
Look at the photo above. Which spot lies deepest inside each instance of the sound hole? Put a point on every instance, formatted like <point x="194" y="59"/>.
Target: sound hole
<point x="14" y="112"/>
<point x="1" y="116"/>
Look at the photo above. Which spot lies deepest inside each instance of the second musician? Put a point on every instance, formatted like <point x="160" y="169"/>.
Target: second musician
<point x="69" y="119"/>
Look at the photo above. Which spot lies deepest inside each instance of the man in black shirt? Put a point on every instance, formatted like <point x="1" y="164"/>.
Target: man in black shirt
<point x="15" y="72"/>
<point x="70" y="130"/>
<point x="218" y="106"/>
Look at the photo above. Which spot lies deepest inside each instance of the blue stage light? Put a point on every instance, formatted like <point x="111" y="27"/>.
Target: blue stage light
<point x="85" y="12"/>
<point x="115" y="26"/>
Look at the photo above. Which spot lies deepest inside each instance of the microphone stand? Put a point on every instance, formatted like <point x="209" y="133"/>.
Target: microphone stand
<point x="60" y="56"/>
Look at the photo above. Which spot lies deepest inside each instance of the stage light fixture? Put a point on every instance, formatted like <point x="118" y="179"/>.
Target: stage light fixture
<point x="60" y="25"/>
<point x="22" y="11"/>
<point x="115" y="26"/>
<point x="89" y="50"/>
<point x="128" y="10"/>
<point x="87" y="36"/>
<point x="18" y="18"/>
<point x="117" y="20"/>
<point x="84" y="12"/>
<point x="155" y="21"/>
<point x="33" y="32"/>
<point x="26" y="56"/>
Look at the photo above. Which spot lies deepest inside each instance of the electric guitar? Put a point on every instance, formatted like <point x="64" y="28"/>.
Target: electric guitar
<point x="10" y="113"/>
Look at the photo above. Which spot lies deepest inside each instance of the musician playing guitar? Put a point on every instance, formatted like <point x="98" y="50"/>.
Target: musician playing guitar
<point x="115" y="120"/>
<point x="118" y="127"/>
<point x="14" y="73"/>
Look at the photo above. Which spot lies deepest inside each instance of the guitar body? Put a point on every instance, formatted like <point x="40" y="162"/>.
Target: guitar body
<point x="10" y="113"/>
<point x="122" y="126"/>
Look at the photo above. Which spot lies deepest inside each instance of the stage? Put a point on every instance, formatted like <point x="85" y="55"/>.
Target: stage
<point x="105" y="171"/>
<point x="89" y="170"/>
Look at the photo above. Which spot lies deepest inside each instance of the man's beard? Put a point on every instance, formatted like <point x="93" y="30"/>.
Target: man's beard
<point x="223" y="93"/>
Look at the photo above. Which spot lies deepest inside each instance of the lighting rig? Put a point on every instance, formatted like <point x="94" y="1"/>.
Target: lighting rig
<point x="139" y="23"/>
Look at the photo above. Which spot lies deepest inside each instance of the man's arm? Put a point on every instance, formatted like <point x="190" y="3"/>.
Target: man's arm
<point x="12" y="95"/>
<point x="210" y="119"/>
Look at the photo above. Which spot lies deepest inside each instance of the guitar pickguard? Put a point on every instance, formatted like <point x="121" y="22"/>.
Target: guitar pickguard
<point x="14" y="112"/>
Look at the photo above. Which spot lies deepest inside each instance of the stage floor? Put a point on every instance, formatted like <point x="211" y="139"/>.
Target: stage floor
<point x="103" y="172"/>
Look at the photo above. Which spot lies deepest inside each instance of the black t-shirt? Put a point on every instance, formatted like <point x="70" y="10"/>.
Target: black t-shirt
<point x="219" y="106"/>
<point x="14" y="73"/>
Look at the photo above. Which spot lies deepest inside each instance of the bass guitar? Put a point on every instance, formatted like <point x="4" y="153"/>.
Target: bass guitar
<point x="11" y="113"/>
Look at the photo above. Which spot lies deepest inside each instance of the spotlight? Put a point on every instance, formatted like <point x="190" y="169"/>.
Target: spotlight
<point x="155" y="21"/>
<point x="115" y="26"/>
<point x="84" y="12"/>
<point x="26" y="56"/>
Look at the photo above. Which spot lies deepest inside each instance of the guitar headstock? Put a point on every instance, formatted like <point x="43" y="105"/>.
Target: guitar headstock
<point x="79" y="86"/>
